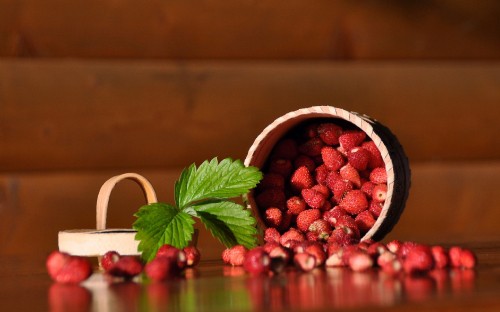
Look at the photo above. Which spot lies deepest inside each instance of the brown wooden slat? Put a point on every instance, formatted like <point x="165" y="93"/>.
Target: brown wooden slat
<point x="89" y="115"/>
<point x="447" y="203"/>
<point x="248" y="29"/>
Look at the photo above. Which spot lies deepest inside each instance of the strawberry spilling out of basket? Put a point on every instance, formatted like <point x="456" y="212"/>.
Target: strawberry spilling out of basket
<point x="325" y="182"/>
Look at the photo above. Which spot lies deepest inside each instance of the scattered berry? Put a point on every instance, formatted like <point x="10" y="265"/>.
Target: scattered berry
<point x="274" y="217"/>
<point x="304" y="261"/>
<point x="271" y="235"/>
<point x="126" y="267"/>
<point x="257" y="261"/>
<point x="419" y="259"/>
<point x="64" y="268"/>
<point x="360" y="261"/>
<point x="160" y="269"/>
<point x="109" y="259"/>
<point x="440" y="256"/>
<point x="193" y="256"/>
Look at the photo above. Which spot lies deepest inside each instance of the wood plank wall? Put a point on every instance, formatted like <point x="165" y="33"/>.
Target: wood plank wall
<point x="90" y="89"/>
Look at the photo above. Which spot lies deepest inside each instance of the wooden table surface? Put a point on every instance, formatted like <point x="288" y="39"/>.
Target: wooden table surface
<point x="212" y="286"/>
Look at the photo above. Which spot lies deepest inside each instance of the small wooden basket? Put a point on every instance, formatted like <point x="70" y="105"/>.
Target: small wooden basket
<point x="396" y="162"/>
<point x="98" y="241"/>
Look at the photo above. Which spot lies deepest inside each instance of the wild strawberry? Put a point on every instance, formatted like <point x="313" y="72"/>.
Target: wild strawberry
<point x="367" y="188"/>
<point x="329" y="133"/>
<point x="304" y="261"/>
<point x="192" y="256"/>
<point x="286" y="149"/>
<point x="335" y="257"/>
<point x="351" y="138"/>
<point x="109" y="259"/>
<point x="126" y="266"/>
<point x="354" y="202"/>
<point x="343" y="236"/>
<point x="375" y="156"/>
<point x="376" y="249"/>
<point x="177" y="256"/>
<point x="379" y="193"/>
<point x="332" y="159"/>
<point x="270" y="246"/>
<point x="312" y="237"/>
<point x="313" y="198"/>
<point x="257" y="261"/>
<point x="306" y="161"/>
<point x="301" y="179"/>
<point x="394" y="246"/>
<point x="237" y="255"/>
<point x="321" y="173"/>
<point x="281" y="166"/>
<point x="271" y="198"/>
<point x="441" y="258"/>
<point x="320" y="229"/>
<point x="64" y="268"/>
<point x="348" y="173"/>
<point x="405" y="248"/>
<point x="462" y="258"/>
<point x="278" y="251"/>
<point x="291" y="235"/>
<point x="331" y="178"/>
<point x="164" y="250"/>
<point x="322" y="189"/>
<point x="271" y="181"/>
<point x="311" y="147"/>
<point x="358" y="158"/>
<point x="273" y="217"/>
<point x="375" y="208"/>
<point x="160" y="269"/>
<point x="316" y="250"/>
<point x="340" y="188"/>
<point x="306" y="217"/>
<point x="365" y="221"/>
<point x="295" y="205"/>
<point x="360" y="261"/>
<point x="418" y="259"/>
<point x="271" y="235"/>
<point x="390" y="263"/>
<point x="226" y="255"/>
<point x="378" y="175"/>
<point x="332" y="215"/>
<point x="348" y="222"/>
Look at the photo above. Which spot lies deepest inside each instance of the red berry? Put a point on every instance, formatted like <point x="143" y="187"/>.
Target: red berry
<point x="378" y="175"/>
<point x="354" y="202"/>
<point x="329" y="133"/>
<point x="109" y="259"/>
<point x="462" y="258"/>
<point x="320" y="174"/>
<point x="273" y="217"/>
<point x="295" y="205"/>
<point x="271" y="235"/>
<point x="271" y="198"/>
<point x="311" y="147"/>
<point x="306" y="217"/>
<point x="321" y="229"/>
<point x="349" y="173"/>
<point x="306" y="161"/>
<point x="331" y="178"/>
<point x="286" y="149"/>
<point x="376" y="249"/>
<point x="304" y="261"/>
<point x="290" y="236"/>
<point x="375" y="156"/>
<point x="237" y="255"/>
<point x="271" y="181"/>
<point x="126" y="266"/>
<point x="351" y="138"/>
<point x="333" y="215"/>
<point x="313" y="198"/>
<point x="394" y="246"/>
<point x="358" y="158"/>
<point x="332" y="159"/>
<point x="365" y="221"/>
<point x="160" y="269"/>
<point x="349" y="223"/>
<point x="441" y="258"/>
<point x="322" y="189"/>
<point x="379" y="193"/>
<point x="390" y="263"/>
<point x="418" y="259"/>
<point x="375" y="208"/>
<point x="360" y="261"/>
<point x="340" y="188"/>
<point x="193" y="256"/>
<point x="343" y="236"/>
<point x="316" y="250"/>
<point x="257" y="261"/>
<point x="226" y="255"/>
<point x="64" y="268"/>
<point x="405" y="248"/>
<point x="335" y="256"/>
<point x="367" y="188"/>
<point x="301" y="179"/>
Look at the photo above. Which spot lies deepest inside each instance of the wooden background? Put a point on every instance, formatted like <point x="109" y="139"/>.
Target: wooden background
<point x="91" y="89"/>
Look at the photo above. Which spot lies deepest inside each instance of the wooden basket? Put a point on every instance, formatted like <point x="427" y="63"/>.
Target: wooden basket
<point x="396" y="162"/>
<point x="97" y="242"/>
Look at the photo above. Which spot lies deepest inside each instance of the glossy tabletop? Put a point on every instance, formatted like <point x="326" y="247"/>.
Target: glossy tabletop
<point x="213" y="286"/>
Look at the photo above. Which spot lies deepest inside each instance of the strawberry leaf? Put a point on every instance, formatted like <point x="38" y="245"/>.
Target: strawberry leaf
<point x="215" y="180"/>
<point x="229" y="222"/>
<point x="158" y="224"/>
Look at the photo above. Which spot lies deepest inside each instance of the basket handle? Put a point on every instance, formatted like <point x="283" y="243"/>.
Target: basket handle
<point x="107" y="187"/>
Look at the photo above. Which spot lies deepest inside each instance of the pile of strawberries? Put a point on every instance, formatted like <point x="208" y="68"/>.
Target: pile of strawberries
<point x="168" y="262"/>
<point x="394" y="258"/>
<point x="324" y="182"/>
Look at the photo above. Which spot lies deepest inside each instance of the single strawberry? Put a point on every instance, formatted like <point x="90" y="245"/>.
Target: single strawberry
<point x="462" y="258"/>
<point x="272" y="181"/>
<point x="271" y="198"/>
<point x="273" y="217"/>
<point x="278" y="251"/>
<point x="335" y="256"/>
<point x="296" y="205"/>
<point x="286" y="149"/>
<point x="354" y="202"/>
<point x="306" y="161"/>
<point x="164" y="250"/>
<point x="358" y="158"/>
<point x="390" y="263"/>
<point x="311" y="147"/>
<point x="367" y="188"/>
<point x="365" y="221"/>
<point x="270" y="246"/>
<point x="193" y="256"/>
<point x="349" y="173"/>
<point x="306" y="217"/>
<point x="257" y="261"/>
<point x="292" y="235"/>
<point x="343" y="236"/>
<point x="329" y="133"/>
<point x="109" y="259"/>
<point x="160" y="269"/>
<point x="301" y="179"/>
<point x="237" y="255"/>
<point x="64" y="268"/>
<point x="351" y="138"/>
<point x="304" y="261"/>
<point x="177" y="256"/>
<point x="320" y="174"/>
<point x="419" y="259"/>
<point x="321" y="229"/>
<point x="375" y="156"/>
<point x="332" y="159"/>
<point x="375" y="208"/>
<point x="323" y="189"/>
<point x="349" y="223"/>
<point x="313" y="198"/>
<point x="226" y="255"/>
<point x="360" y="261"/>
<point x="311" y="237"/>
<point x="315" y="249"/>
<point x="126" y="267"/>
<point x="379" y="193"/>
<point x="441" y="258"/>
<point x="378" y="175"/>
<point x="340" y="188"/>
<point x="281" y="166"/>
<point x="271" y="235"/>
<point x="405" y="248"/>
<point x="332" y="215"/>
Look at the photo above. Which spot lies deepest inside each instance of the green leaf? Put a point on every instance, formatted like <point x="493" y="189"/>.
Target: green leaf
<point x="229" y="222"/>
<point x="158" y="224"/>
<point x="214" y="180"/>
